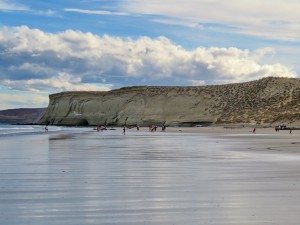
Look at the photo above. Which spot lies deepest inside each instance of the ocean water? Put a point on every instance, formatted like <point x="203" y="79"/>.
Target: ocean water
<point x="16" y="130"/>
<point x="80" y="176"/>
<point x="7" y="129"/>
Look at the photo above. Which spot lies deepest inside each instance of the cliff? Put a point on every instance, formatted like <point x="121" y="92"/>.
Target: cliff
<point x="267" y="101"/>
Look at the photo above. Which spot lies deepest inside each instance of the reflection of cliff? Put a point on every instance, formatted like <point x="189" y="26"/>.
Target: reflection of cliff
<point x="266" y="101"/>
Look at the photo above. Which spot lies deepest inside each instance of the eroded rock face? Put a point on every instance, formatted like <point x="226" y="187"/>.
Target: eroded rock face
<point x="266" y="101"/>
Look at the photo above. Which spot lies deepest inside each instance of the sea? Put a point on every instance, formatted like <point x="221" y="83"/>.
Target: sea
<point x="72" y="175"/>
<point x="7" y="129"/>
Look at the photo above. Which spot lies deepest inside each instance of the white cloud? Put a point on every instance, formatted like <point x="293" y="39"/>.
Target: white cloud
<point x="11" y="6"/>
<point x="178" y="22"/>
<point x="97" y="12"/>
<point x="275" y="19"/>
<point x="31" y="59"/>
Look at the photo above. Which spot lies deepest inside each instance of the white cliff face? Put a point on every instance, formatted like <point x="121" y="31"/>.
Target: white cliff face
<point x="131" y="106"/>
<point x="266" y="101"/>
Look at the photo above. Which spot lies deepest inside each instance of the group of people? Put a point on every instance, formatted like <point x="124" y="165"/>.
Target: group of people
<point x="152" y="128"/>
<point x="124" y="129"/>
<point x="100" y="128"/>
<point x="278" y="128"/>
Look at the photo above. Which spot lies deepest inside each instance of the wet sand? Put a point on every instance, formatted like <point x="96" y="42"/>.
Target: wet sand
<point x="181" y="176"/>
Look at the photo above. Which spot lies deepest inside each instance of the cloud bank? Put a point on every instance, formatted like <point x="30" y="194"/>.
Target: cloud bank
<point x="33" y="60"/>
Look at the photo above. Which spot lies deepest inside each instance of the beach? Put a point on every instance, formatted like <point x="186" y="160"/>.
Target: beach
<point x="203" y="175"/>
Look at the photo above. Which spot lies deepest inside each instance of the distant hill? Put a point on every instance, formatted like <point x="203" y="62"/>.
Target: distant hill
<point x="21" y="115"/>
<point x="265" y="102"/>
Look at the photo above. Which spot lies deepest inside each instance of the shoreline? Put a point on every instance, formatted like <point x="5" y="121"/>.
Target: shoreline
<point x="263" y="139"/>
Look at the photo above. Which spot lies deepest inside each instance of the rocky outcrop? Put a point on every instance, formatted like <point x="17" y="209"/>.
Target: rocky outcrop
<point x="266" y="101"/>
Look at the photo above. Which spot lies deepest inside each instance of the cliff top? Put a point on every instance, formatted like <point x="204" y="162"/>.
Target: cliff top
<point x="255" y="83"/>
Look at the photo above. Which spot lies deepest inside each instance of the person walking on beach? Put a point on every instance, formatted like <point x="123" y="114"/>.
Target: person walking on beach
<point x="254" y="130"/>
<point x="124" y="129"/>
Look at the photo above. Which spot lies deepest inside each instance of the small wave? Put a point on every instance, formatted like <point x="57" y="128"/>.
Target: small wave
<point x="7" y="130"/>
<point x="19" y="129"/>
<point x="16" y="128"/>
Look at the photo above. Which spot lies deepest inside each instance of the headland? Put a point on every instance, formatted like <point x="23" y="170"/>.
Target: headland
<point x="265" y="102"/>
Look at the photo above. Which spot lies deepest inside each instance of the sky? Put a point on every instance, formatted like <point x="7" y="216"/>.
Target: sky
<point x="50" y="46"/>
